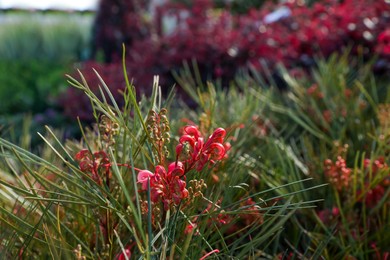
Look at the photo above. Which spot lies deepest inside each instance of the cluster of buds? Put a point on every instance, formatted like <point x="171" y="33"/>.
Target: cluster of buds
<point x="195" y="188"/>
<point x="196" y="152"/>
<point x="156" y="212"/>
<point x="338" y="174"/>
<point x="158" y="128"/>
<point x="97" y="164"/>
<point x="374" y="166"/>
<point x="108" y="130"/>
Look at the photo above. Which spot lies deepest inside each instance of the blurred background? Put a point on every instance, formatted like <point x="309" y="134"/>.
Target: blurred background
<point x="41" y="41"/>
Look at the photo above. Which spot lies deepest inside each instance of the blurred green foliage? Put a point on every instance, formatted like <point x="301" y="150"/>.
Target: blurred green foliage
<point x="29" y="85"/>
<point x="240" y="6"/>
<point x="37" y="49"/>
<point x="30" y="88"/>
<point x="55" y="36"/>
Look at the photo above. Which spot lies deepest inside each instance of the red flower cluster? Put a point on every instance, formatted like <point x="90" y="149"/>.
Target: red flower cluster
<point x="291" y="33"/>
<point x="196" y="152"/>
<point x="372" y="195"/>
<point x="167" y="187"/>
<point x="375" y="166"/>
<point x="252" y="212"/>
<point x="315" y="92"/>
<point x="338" y="174"/>
<point x="97" y="164"/>
<point x="383" y="47"/>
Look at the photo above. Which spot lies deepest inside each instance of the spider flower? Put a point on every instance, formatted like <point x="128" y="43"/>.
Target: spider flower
<point x="93" y="162"/>
<point x="196" y="151"/>
<point x="168" y="187"/>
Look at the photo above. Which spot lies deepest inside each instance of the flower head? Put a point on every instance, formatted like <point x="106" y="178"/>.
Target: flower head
<point x="197" y="152"/>
<point x="165" y="186"/>
<point x="93" y="162"/>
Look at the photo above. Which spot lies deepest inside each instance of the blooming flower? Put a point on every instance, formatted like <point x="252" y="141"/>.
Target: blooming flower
<point x="92" y="163"/>
<point x="169" y="185"/>
<point x="165" y="187"/>
<point x="126" y="253"/>
<point x="196" y="152"/>
<point x="189" y="228"/>
<point x="374" y="194"/>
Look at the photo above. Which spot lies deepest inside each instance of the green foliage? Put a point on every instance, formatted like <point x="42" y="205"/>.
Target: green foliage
<point x="30" y="85"/>
<point x="330" y="125"/>
<point x="241" y="6"/>
<point x="36" y="51"/>
<point x="305" y="175"/>
<point x="83" y="199"/>
<point x="30" y="88"/>
<point x="45" y="36"/>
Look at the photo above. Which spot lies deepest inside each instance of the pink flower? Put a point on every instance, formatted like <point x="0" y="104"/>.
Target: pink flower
<point x="327" y="215"/>
<point x="372" y="195"/>
<point x="143" y="177"/>
<point x="126" y="253"/>
<point x="176" y="169"/>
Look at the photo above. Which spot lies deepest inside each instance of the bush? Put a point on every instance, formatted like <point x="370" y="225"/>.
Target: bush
<point x="223" y="43"/>
<point x="134" y="188"/>
<point x="119" y="22"/>
<point x="30" y="85"/>
<point x="330" y="125"/>
<point x="321" y="142"/>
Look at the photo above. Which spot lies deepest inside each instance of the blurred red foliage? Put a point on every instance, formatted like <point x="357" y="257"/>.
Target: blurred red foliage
<point x="290" y="33"/>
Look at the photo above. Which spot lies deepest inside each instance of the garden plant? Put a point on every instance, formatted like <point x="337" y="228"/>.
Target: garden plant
<point x="252" y="172"/>
<point x="273" y="143"/>
<point x="132" y="188"/>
